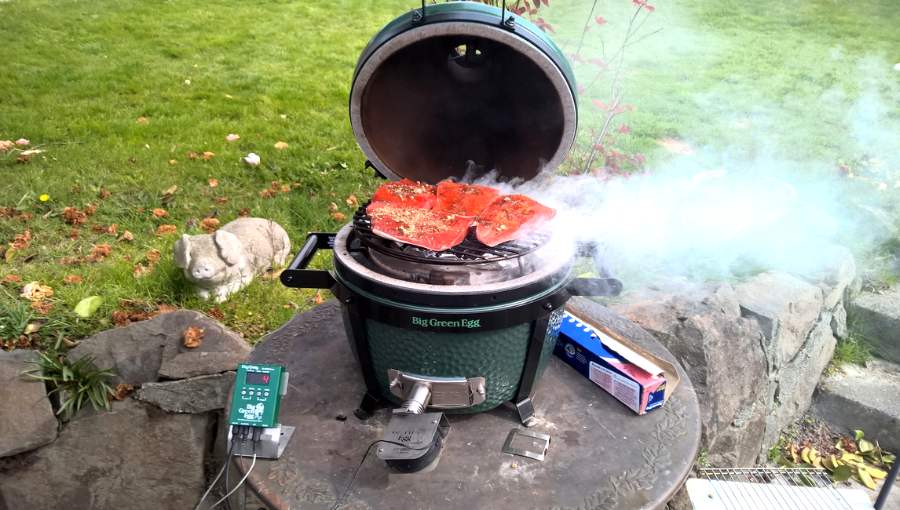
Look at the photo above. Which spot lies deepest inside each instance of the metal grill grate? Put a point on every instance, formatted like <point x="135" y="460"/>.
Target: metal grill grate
<point x="471" y="250"/>
<point x="771" y="488"/>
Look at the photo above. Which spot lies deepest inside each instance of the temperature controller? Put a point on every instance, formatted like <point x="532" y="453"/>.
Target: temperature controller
<point x="257" y="395"/>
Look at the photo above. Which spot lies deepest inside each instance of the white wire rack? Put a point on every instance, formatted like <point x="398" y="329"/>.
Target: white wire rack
<point x="771" y="488"/>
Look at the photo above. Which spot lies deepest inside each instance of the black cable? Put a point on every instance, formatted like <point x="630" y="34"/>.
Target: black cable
<point x="216" y="479"/>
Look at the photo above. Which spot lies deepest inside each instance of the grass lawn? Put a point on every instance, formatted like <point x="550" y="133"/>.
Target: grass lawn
<point x="117" y="94"/>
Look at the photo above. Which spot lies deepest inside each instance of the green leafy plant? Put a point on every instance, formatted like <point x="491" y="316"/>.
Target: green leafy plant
<point x="853" y="350"/>
<point x="76" y="383"/>
<point x="14" y="318"/>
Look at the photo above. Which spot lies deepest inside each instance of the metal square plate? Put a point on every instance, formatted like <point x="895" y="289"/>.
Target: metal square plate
<point x="527" y="443"/>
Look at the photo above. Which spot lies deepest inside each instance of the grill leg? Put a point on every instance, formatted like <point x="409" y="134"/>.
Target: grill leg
<point x="523" y="402"/>
<point x="359" y="342"/>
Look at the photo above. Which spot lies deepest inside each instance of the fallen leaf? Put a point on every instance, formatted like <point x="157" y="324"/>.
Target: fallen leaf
<point x="213" y="182"/>
<point x="209" y="225"/>
<point x="352" y="201"/>
<point x="676" y="146"/>
<point x="171" y="190"/>
<point x="221" y="200"/>
<point x="73" y="216"/>
<point x="192" y="155"/>
<point x="42" y="307"/>
<point x="281" y="145"/>
<point x="21" y="241"/>
<point x="32" y="327"/>
<point x="90" y="209"/>
<point x="267" y="193"/>
<point x="285" y="188"/>
<point x="244" y="212"/>
<point x="73" y="233"/>
<point x="12" y="278"/>
<point x="34" y="291"/>
<point x="160" y="213"/>
<point x="72" y="279"/>
<point x="232" y="137"/>
<point x="164" y="308"/>
<point x="103" y="193"/>
<point x="113" y="229"/>
<point x="126" y="236"/>
<point x="87" y="306"/>
<point x="216" y="313"/>
<point x="173" y="162"/>
<point x="122" y="391"/>
<point x="318" y="299"/>
<point x="22" y="142"/>
<point x="333" y="207"/>
<point x="6" y="145"/>
<point x="99" y="252"/>
<point x="70" y="261"/>
<point x="140" y="270"/>
<point x="193" y="337"/>
<point x="339" y="216"/>
<point x="208" y="155"/>
<point x="153" y="255"/>
<point x="163" y="230"/>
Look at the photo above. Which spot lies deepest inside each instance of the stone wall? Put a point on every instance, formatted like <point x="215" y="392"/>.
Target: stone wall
<point x="754" y="349"/>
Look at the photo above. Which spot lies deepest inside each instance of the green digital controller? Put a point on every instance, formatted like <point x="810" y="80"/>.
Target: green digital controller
<point x="257" y="395"/>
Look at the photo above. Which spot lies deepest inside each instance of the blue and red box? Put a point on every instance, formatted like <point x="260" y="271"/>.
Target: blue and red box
<point x="632" y="375"/>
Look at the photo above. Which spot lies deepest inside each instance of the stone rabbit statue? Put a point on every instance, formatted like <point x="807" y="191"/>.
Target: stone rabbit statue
<point x="226" y="261"/>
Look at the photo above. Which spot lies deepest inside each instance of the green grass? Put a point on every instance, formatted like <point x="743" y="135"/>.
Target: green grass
<point x="851" y="350"/>
<point x="76" y="76"/>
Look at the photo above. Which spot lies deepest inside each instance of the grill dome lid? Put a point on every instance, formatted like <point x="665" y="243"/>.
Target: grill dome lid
<point x="432" y="94"/>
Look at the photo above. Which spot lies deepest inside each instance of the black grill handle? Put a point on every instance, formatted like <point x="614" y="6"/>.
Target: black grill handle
<point x="594" y="287"/>
<point x="297" y="276"/>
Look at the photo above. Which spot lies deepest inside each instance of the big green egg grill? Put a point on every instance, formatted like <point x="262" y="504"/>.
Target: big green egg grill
<point x="451" y="91"/>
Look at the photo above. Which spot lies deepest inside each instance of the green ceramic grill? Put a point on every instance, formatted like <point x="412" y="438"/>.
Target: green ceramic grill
<point x="451" y="91"/>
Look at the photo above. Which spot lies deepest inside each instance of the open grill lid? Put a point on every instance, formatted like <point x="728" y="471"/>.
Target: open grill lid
<point x="432" y="93"/>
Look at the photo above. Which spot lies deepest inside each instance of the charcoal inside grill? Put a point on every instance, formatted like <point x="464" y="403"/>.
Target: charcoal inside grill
<point x="470" y="251"/>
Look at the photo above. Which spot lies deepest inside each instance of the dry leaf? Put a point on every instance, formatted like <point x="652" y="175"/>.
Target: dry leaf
<point x="173" y="162"/>
<point x="352" y="201"/>
<point x="332" y="207"/>
<point x="221" y="200"/>
<point x="192" y="155"/>
<point x="193" y="337"/>
<point x="339" y="216"/>
<point x="208" y="155"/>
<point x="232" y="137"/>
<point x="42" y="307"/>
<point x="140" y="270"/>
<point x="281" y="145"/>
<point x="99" y="252"/>
<point x="113" y="229"/>
<point x="73" y="216"/>
<point x="153" y="255"/>
<point x="209" y="225"/>
<point x="268" y="193"/>
<point x="213" y="182"/>
<point x="72" y="279"/>
<point x="163" y="230"/>
<point x="70" y="261"/>
<point x="12" y="278"/>
<point x="122" y="391"/>
<point x="164" y="308"/>
<point x="21" y="241"/>
<point x="6" y="145"/>
<point x="244" y="212"/>
<point x="90" y="209"/>
<point x="73" y="233"/>
<point x="168" y="192"/>
<point x="143" y="121"/>
<point x="103" y="193"/>
<point x="22" y="142"/>
<point x="126" y="236"/>
<point x="216" y="313"/>
<point x="160" y="213"/>
<point x="34" y="291"/>
<point x="98" y="229"/>
<point x="318" y="299"/>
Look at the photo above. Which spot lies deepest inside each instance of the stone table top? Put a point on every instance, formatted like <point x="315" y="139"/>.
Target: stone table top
<point x="602" y="455"/>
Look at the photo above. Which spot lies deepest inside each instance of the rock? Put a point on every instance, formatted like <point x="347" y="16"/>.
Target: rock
<point x="795" y="382"/>
<point x="145" y="351"/>
<point x="855" y="397"/>
<point x="135" y="457"/>
<point x="876" y="318"/>
<point x="721" y="352"/>
<point x="26" y="416"/>
<point x="195" y="395"/>
<point x="839" y="321"/>
<point x="787" y="308"/>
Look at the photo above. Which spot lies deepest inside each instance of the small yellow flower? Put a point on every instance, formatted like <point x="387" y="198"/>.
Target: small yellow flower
<point x="43" y="198"/>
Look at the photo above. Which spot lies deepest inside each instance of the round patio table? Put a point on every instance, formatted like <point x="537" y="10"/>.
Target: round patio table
<point x="601" y="456"/>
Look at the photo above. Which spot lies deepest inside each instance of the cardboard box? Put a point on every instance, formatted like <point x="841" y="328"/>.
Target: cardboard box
<point x="637" y="378"/>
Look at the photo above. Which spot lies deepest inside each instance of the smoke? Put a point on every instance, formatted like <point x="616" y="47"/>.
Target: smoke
<point x="722" y="213"/>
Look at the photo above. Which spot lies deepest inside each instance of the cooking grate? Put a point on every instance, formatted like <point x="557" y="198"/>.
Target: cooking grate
<point x="771" y="488"/>
<point x="470" y="251"/>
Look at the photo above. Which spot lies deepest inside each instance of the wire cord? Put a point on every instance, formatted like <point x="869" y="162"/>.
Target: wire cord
<point x="216" y="479"/>
<point x="236" y="487"/>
